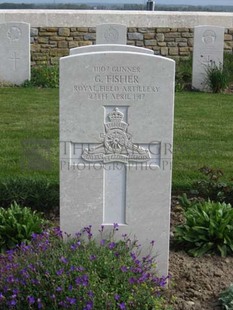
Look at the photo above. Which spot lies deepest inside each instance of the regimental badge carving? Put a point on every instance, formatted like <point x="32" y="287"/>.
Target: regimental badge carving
<point x="209" y="37"/>
<point x="117" y="144"/>
<point x="14" y="33"/>
<point x="111" y="35"/>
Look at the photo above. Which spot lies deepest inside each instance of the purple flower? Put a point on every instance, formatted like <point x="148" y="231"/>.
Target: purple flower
<point x="71" y="301"/>
<point x="57" y="232"/>
<point x="89" y="305"/>
<point x="132" y="280"/>
<point x="92" y="257"/>
<point x="144" y="277"/>
<point x="35" y="281"/>
<point x="82" y="280"/>
<point x="152" y="242"/>
<point x="90" y="294"/>
<point x="78" y="235"/>
<point x="75" y="246"/>
<point x="124" y="268"/>
<point x="64" y="260"/>
<point x="60" y="272"/>
<point x="102" y="242"/>
<point x="122" y="306"/>
<point x="58" y="289"/>
<point x="115" y="226"/>
<point x="88" y="231"/>
<point x="112" y="245"/>
<point x="117" y="297"/>
<point x="13" y="302"/>
<point x="10" y="279"/>
<point x="133" y="256"/>
<point x="39" y="303"/>
<point x="31" y="300"/>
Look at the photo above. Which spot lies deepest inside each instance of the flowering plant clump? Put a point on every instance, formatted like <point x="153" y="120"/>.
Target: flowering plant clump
<point x="81" y="273"/>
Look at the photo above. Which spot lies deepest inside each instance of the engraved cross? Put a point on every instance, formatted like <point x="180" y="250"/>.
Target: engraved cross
<point x="15" y="58"/>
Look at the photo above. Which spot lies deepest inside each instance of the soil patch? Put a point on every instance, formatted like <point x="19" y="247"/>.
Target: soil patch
<point x="196" y="282"/>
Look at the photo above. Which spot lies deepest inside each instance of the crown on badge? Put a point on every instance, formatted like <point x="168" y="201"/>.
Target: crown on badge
<point x="116" y="115"/>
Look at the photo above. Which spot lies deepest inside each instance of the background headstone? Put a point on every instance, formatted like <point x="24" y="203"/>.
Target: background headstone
<point x="15" y="52"/>
<point x="207" y="50"/>
<point x="111" y="34"/>
<point x="116" y="130"/>
<point x="109" y="47"/>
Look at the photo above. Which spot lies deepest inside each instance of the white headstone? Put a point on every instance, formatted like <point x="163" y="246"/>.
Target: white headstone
<point x="111" y="34"/>
<point x="15" y="52"/>
<point x="207" y="50"/>
<point x="109" y="47"/>
<point x="116" y="131"/>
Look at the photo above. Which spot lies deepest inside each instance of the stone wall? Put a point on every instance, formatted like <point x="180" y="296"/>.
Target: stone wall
<point x="51" y="43"/>
<point x="54" y="32"/>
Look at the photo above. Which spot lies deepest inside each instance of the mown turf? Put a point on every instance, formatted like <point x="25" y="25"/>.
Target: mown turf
<point x="202" y="135"/>
<point x="29" y="134"/>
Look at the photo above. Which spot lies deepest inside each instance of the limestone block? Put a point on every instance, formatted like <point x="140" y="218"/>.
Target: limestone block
<point x="57" y="38"/>
<point x="190" y="42"/>
<point x="62" y="44"/>
<point x="172" y="44"/>
<point x="228" y="37"/>
<point x="182" y="44"/>
<point x="43" y="40"/>
<point x="46" y="34"/>
<point x="65" y="32"/>
<point x="162" y="44"/>
<point x="181" y="40"/>
<point x="73" y="44"/>
<point x="150" y="42"/>
<point x="173" y="51"/>
<point x="172" y="35"/>
<point x="149" y="36"/>
<point x="164" y="51"/>
<point x="135" y="36"/>
<point x="59" y="52"/>
<point x="90" y="36"/>
<point x="184" y="49"/>
<point x="159" y="37"/>
<point x="187" y="35"/>
<point x="132" y="29"/>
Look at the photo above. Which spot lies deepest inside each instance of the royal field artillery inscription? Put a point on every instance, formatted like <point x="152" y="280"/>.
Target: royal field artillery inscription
<point x="116" y="129"/>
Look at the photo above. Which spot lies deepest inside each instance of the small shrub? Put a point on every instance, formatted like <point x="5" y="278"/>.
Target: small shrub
<point x="213" y="187"/>
<point x="186" y="203"/>
<point x="37" y="193"/>
<point x="208" y="228"/>
<point x="184" y="75"/>
<point x="226" y="298"/>
<point x="228" y="65"/>
<point x="80" y="273"/>
<point x="17" y="225"/>
<point x="43" y="76"/>
<point x="217" y="78"/>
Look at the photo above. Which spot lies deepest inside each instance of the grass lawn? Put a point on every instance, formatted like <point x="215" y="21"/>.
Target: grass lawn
<point x="29" y="126"/>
